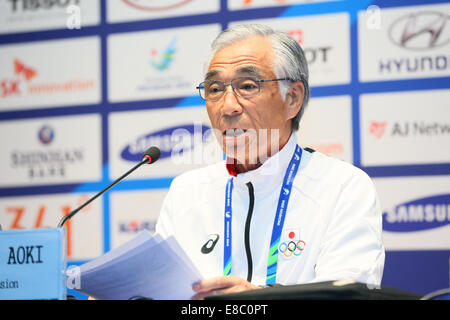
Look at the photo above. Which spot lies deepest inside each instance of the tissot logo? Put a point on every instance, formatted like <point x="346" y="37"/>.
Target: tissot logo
<point x="34" y="5"/>
<point x="421" y="30"/>
<point x="156" y="5"/>
<point x="210" y="244"/>
<point x="318" y="54"/>
<point x="420" y="214"/>
<point x="173" y="140"/>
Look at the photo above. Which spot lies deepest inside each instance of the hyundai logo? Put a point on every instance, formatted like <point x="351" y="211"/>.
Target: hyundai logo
<point x="421" y="30"/>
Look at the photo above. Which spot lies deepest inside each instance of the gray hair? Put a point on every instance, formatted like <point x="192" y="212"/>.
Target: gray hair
<point x="289" y="62"/>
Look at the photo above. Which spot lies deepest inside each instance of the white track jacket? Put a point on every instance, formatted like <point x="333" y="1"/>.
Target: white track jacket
<point x="333" y="222"/>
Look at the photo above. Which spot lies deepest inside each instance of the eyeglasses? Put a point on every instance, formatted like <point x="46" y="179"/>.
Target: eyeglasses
<point x="244" y="87"/>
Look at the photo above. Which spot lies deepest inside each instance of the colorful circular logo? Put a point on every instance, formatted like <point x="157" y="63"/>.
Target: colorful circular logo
<point x="46" y="135"/>
<point x="292" y="248"/>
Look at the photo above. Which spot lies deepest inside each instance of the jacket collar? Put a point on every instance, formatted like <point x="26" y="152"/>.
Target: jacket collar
<point x="270" y="174"/>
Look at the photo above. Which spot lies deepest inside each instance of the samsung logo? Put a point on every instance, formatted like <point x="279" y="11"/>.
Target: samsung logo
<point x="171" y="141"/>
<point x="417" y="215"/>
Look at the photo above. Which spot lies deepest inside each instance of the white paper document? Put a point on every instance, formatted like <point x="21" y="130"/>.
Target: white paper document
<point x="145" y="267"/>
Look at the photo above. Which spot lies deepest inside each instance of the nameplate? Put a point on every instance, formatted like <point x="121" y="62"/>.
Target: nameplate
<point x="32" y="264"/>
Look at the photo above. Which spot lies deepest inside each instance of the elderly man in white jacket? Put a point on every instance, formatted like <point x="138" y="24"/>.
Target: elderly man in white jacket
<point x="272" y="212"/>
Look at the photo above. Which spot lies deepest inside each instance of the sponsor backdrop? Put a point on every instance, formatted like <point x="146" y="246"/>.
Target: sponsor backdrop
<point x="86" y="86"/>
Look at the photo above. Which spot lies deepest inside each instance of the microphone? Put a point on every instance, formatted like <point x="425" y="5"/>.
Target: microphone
<point x="150" y="156"/>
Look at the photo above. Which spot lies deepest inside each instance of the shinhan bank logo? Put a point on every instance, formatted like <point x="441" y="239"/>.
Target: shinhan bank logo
<point x="162" y="61"/>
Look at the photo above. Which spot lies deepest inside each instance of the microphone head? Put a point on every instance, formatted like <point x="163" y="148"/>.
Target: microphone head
<point x="152" y="154"/>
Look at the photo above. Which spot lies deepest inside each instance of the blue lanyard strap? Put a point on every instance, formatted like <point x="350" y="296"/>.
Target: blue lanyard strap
<point x="283" y="201"/>
<point x="278" y="223"/>
<point x="227" y="229"/>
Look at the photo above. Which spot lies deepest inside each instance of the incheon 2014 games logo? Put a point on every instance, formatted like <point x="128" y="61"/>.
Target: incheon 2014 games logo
<point x="162" y="61"/>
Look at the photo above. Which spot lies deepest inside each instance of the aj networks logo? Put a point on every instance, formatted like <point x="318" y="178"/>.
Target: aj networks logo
<point x="156" y="5"/>
<point x="162" y="61"/>
<point x="420" y="214"/>
<point x="377" y="128"/>
<point x="380" y="129"/>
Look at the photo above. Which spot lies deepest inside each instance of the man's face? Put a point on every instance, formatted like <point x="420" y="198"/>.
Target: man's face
<point x="266" y="110"/>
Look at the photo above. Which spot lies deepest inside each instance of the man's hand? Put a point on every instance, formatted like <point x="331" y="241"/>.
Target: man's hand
<point x="221" y="285"/>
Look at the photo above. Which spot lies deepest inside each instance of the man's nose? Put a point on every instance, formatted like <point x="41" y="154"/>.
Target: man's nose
<point x="231" y="105"/>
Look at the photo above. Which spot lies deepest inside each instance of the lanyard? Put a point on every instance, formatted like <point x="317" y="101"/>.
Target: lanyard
<point x="278" y="223"/>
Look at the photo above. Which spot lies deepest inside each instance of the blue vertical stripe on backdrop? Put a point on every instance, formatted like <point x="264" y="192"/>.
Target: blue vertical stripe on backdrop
<point x="356" y="132"/>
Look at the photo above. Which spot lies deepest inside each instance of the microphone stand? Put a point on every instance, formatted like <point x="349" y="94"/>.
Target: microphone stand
<point x="146" y="159"/>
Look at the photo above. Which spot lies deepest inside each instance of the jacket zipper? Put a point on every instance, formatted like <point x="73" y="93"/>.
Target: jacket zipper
<point x="247" y="231"/>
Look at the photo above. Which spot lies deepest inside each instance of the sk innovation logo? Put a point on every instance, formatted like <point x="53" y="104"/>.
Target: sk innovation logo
<point x="26" y="80"/>
<point x="21" y="72"/>
<point x="162" y="61"/>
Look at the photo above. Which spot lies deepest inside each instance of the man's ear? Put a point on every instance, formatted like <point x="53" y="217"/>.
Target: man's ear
<point x="294" y="99"/>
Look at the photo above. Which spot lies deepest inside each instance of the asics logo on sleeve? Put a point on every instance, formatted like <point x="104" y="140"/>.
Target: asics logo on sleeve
<point x="210" y="244"/>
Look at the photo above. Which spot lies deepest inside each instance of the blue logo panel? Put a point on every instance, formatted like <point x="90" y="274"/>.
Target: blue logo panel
<point x="421" y="214"/>
<point x="168" y="140"/>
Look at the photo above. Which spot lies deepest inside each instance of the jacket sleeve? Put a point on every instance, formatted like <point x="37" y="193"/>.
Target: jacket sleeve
<point x="352" y="247"/>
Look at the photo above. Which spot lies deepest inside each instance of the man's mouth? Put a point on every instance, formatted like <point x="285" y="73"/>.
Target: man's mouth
<point x="234" y="132"/>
